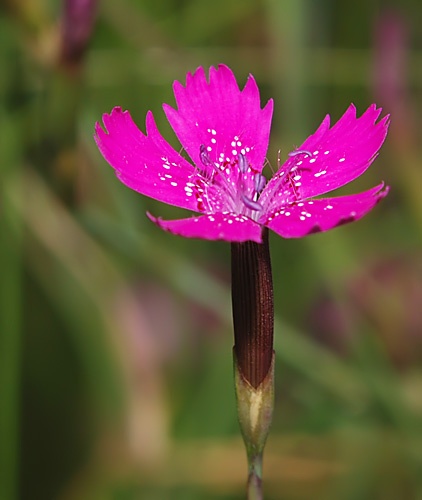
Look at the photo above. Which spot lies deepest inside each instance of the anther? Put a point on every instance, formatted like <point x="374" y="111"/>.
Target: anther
<point x="259" y="182"/>
<point x="252" y="205"/>
<point x="204" y="156"/>
<point x="242" y="163"/>
<point x="300" y="152"/>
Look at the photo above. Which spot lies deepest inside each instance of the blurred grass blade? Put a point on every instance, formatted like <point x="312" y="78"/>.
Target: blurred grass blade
<point x="10" y="345"/>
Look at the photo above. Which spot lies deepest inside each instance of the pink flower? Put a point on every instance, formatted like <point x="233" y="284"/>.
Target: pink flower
<point x="225" y="132"/>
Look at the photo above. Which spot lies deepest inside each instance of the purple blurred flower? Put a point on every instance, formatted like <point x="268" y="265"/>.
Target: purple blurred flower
<point x="225" y="132"/>
<point x="78" y="19"/>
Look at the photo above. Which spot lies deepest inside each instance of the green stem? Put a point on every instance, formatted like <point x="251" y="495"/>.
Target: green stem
<point x="255" y="477"/>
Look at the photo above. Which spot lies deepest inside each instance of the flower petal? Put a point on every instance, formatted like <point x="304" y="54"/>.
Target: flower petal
<point x="333" y="157"/>
<point x="219" y="226"/>
<point x="146" y="163"/>
<point x="313" y="216"/>
<point x="218" y="115"/>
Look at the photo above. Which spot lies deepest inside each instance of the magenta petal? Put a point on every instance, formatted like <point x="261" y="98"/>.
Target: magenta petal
<point x="146" y="163"/>
<point x="218" y="115"/>
<point x="312" y="216"/>
<point x="219" y="226"/>
<point x="338" y="154"/>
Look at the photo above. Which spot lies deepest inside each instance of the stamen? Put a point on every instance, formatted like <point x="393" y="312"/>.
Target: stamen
<point x="252" y="205"/>
<point x="300" y="152"/>
<point x="259" y="182"/>
<point x="242" y="163"/>
<point x="204" y="156"/>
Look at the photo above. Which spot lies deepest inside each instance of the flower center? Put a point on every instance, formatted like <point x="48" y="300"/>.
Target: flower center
<point x="233" y="185"/>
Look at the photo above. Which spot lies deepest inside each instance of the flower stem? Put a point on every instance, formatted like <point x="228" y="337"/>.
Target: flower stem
<point x="253" y="319"/>
<point x="253" y="308"/>
<point x="255" y="477"/>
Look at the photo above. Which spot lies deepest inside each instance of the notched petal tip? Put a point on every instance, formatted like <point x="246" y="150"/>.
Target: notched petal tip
<point x="381" y="190"/>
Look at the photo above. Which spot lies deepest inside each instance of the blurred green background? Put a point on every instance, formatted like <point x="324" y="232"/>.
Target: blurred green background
<point x="115" y="337"/>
